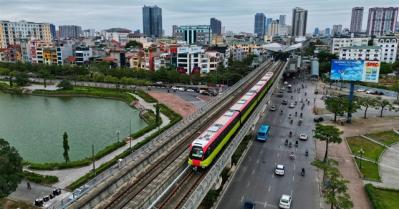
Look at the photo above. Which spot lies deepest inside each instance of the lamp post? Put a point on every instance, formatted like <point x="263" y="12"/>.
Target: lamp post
<point x="117" y="134"/>
<point x="130" y="132"/>
<point x="361" y="153"/>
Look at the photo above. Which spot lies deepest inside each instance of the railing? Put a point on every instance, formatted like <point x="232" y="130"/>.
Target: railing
<point x="213" y="174"/>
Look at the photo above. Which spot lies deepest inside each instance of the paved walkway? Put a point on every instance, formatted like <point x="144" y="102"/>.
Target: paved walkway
<point x="389" y="168"/>
<point x="67" y="176"/>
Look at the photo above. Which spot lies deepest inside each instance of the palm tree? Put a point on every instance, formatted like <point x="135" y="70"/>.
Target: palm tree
<point x="327" y="133"/>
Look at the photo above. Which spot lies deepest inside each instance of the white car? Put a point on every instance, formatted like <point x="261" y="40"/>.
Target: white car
<point x="174" y="88"/>
<point x="303" y="136"/>
<point x="360" y="90"/>
<point x="370" y="91"/>
<point x="292" y="105"/>
<point x="273" y="108"/>
<point x="285" y="201"/>
<point x="190" y="90"/>
<point x="279" y="170"/>
<point x="181" y="89"/>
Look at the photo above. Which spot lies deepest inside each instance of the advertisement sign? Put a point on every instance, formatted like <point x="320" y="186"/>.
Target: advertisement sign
<point x="371" y="71"/>
<point x="355" y="70"/>
<point x="347" y="70"/>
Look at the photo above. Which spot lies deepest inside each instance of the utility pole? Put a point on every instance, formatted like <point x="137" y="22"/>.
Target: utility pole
<point x="93" y="159"/>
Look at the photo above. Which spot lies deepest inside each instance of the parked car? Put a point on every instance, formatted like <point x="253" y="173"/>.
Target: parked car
<point x="284" y="102"/>
<point x="190" y="90"/>
<point x="360" y="90"/>
<point x="292" y="105"/>
<point x="318" y="119"/>
<point x="273" y="108"/>
<point x="370" y="91"/>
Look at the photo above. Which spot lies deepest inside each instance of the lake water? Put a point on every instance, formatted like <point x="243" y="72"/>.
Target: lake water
<point x="35" y="125"/>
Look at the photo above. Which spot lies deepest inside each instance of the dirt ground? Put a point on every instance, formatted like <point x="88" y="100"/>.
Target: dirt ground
<point x="11" y="204"/>
<point x="341" y="153"/>
<point x="174" y="102"/>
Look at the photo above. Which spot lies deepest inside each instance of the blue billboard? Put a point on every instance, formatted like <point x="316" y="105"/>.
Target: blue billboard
<point x="347" y="70"/>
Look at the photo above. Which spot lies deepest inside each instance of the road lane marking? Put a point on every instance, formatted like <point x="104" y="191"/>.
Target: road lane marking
<point x="291" y="192"/>
<point x="257" y="161"/>
<point x="265" y="205"/>
<point x="273" y="175"/>
<point x="253" y="172"/>
<point x="278" y="154"/>
<point x="248" y="184"/>
<point x="294" y="167"/>
<point x="293" y="178"/>
<point x="242" y="198"/>
<point x="268" y="189"/>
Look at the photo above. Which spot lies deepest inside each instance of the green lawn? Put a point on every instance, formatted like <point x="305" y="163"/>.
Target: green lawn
<point x="369" y="170"/>
<point x="383" y="198"/>
<point x="372" y="150"/>
<point x="386" y="137"/>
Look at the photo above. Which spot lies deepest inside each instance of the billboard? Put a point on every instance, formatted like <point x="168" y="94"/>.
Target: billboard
<point x="355" y="70"/>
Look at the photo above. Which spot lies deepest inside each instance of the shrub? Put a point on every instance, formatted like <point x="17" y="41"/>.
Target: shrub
<point x="40" y="179"/>
<point x="65" y="85"/>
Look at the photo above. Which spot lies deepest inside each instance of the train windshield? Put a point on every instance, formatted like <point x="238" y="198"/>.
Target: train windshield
<point x="196" y="152"/>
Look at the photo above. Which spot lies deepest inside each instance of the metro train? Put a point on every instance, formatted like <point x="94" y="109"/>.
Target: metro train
<point x="205" y="148"/>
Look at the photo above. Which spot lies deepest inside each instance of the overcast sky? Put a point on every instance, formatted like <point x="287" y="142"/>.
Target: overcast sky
<point x="236" y="15"/>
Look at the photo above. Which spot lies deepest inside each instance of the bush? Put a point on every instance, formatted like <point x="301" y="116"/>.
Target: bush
<point x="40" y="179"/>
<point x="65" y="85"/>
<point x="382" y="198"/>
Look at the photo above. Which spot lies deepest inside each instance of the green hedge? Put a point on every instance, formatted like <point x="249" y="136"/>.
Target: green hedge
<point x="78" y="163"/>
<point x="40" y="179"/>
<point x="382" y="198"/>
<point x="9" y="89"/>
<point x="145" y="96"/>
<point x="174" y="118"/>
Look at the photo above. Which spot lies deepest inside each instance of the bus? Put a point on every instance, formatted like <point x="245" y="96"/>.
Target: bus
<point x="263" y="132"/>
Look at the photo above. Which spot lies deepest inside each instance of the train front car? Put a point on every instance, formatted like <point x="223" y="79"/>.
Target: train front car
<point x="208" y="145"/>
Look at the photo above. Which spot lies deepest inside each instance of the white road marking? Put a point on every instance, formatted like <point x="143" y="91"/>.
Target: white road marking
<point x="293" y="178"/>
<point x="294" y="167"/>
<point x="257" y="161"/>
<point x="278" y="154"/>
<point x="273" y="175"/>
<point x="248" y="184"/>
<point x="291" y="192"/>
<point x="253" y="172"/>
<point x="265" y="205"/>
<point x="268" y="189"/>
<point x="242" y="198"/>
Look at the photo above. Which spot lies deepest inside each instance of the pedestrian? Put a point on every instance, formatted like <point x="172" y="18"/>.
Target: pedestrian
<point x="28" y="185"/>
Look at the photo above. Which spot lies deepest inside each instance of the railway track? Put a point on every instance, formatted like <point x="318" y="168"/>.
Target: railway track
<point x="177" y="196"/>
<point x="141" y="185"/>
<point x="134" y="195"/>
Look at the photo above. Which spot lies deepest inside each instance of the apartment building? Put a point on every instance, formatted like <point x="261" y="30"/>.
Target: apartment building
<point x="12" y="33"/>
<point x="338" y="43"/>
<point x="360" y="53"/>
<point x="389" y="48"/>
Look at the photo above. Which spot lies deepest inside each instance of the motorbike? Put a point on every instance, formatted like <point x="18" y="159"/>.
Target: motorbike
<point x="306" y="153"/>
<point x="292" y="121"/>
<point x="296" y="114"/>
<point x="301" y="115"/>
<point x="299" y="122"/>
<point x="296" y="143"/>
<point x="286" y="142"/>
<point x="292" y="156"/>
<point x="281" y="112"/>
<point x="290" y="133"/>
<point x="303" y="172"/>
<point x="290" y="145"/>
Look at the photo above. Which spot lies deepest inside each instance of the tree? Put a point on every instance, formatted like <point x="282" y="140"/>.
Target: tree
<point x="335" y="105"/>
<point x="134" y="44"/>
<point x="157" y="116"/>
<point x="44" y="73"/>
<point x="395" y="87"/>
<point x="21" y="79"/>
<point x="66" y="147"/>
<point x="386" y="68"/>
<point x="367" y="102"/>
<point x="335" y="186"/>
<point x="329" y="134"/>
<point x="10" y="168"/>
<point x="383" y="103"/>
<point x="65" y="85"/>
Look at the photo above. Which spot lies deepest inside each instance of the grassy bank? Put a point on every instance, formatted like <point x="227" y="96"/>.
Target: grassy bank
<point x="148" y="98"/>
<point x="90" y="92"/>
<point x="174" y="118"/>
<point x="385" y="137"/>
<point x="40" y="179"/>
<point x="383" y="198"/>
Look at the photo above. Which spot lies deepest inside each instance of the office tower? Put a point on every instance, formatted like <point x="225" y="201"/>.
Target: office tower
<point x="195" y="34"/>
<point x="382" y="20"/>
<point x="316" y="32"/>
<point x="152" y="21"/>
<point x="174" y="30"/>
<point x="70" y="31"/>
<point x="273" y="28"/>
<point x="268" y="22"/>
<point x="299" y="21"/>
<point x="356" y="20"/>
<point x="13" y="32"/>
<point x="327" y="32"/>
<point x="282" y="19"/>
<point x="216" y="26"/>
<point x="337" y="30"/>
<point x="260" y="23"/>
<point x="53" y="31"/>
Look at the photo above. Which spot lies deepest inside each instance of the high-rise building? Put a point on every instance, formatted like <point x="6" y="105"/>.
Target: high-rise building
<point x="272" y="29"/>
<point x="299" y="21"/>
<point x="53" y="31"/>
<point x="260" y="23"/>
<point x="382" y="20"/>
<point x="174" y="30"/>
<point x="216" y="26"/>
<point x="356" y="20"/>
<point x="13" y="32"/>
<point x="70" y="31"/>
<point x="316" y="32"/>
<point x="327" y="32"/>
<point x="282" y="19"/>
<point x="152" y="21"/>
<point x="195" y="34"/>
<point x="268" y="22"/>
<point x="337" y="30"/>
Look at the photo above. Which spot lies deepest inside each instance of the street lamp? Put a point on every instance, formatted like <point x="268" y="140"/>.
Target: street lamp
<point x="117" y="134"/>
<point x="361" y="153"/>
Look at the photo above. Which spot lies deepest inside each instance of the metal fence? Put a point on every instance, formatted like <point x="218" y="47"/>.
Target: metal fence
<point x="172" y="134"/>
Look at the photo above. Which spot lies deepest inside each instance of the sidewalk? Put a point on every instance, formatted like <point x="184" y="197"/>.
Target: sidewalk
<point x="341" y="153"/>
<point x="67" y="176"/>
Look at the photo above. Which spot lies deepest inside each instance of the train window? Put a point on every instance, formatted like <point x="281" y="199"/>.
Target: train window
<point x="196" y="152"/>
<point x="242" y="101"/>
